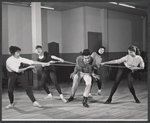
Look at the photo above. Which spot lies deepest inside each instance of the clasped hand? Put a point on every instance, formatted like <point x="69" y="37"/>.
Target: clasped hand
<point x="46" y="64"/>
<point x="133" y="68"/>
<point x="102" y="64"/>
<point x="72" y="75"/>
<point x="31" y="66"/>
<point x="61" y="60"/>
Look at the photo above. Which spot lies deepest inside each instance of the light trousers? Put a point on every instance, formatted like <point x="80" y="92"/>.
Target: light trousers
<point x="76" y="80"/>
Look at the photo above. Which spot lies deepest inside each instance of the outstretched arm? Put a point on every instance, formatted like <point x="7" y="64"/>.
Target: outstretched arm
<point x="17" y="69"/>
<point x="41" y="63"/>
<point x="109" y="62"/>
<point x="30" y="62"/>
<point x="117" y="61"/>
<point x="57" y="58"/>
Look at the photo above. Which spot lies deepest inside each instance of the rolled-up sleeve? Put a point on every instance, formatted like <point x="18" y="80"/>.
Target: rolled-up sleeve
<point x="121" y="60"/>
<point x="26" y="61"/>
<point x="11" y="67"/>
<point x="142" y="63"/>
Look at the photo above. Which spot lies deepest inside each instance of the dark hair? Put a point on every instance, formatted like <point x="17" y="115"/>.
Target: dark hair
<point x="102" y="47"/>
<point x="135" y="49"/>
<point x="13" y="49"/>
<point x="86" y="52"/>
<point x="38" y="46"/>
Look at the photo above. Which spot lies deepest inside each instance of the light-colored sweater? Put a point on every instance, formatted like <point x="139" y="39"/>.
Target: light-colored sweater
<point x="13" y="64"/>
<point x="97" y="58"/>
<point x="131" y="61"/>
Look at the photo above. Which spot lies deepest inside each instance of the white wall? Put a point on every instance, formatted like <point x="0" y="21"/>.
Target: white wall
<point x="51" y="28"/>
<point x="96" y="21"/>
<point x="123" y="31"/>
<point x="69" y="28"/>
<point x="5" y="29"/>
<point x="16" y="29"/>
<point x="93" y="19"/>
<point x="72" y="31"/>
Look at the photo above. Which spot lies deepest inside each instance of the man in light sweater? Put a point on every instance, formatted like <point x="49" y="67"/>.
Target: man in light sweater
<point x="83" y="69"/>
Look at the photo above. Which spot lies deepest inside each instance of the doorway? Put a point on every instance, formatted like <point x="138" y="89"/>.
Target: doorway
<point x="94" y="41"/>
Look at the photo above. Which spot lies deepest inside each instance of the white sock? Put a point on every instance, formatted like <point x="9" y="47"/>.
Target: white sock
<point x="61" y="96"/>
<point x="99" y="90"/>
<point x="34" y="101"/>
<point x="50" y="94"/>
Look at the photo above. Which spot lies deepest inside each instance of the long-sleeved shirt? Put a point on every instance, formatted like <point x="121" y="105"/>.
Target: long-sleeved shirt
<point x="13" y="64"/>
<point x="131" y="61"/>
<point x="82" y="67"/>
<point x="97" y="58"/>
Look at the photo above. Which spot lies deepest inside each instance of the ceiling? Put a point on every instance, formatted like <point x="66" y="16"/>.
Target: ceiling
<point x="141" y="7"/>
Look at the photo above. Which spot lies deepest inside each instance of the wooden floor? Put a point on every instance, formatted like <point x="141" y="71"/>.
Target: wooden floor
<point x="123" y="106"/>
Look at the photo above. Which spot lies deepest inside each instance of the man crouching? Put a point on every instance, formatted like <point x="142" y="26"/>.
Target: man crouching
<point x="83" y="70"/>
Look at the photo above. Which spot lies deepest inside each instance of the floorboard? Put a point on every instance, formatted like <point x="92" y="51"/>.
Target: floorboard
<point x="123" y="106"/>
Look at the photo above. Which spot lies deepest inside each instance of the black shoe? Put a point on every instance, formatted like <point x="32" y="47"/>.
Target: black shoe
<point x="86" y="105"/>
<point x="137" y="100"/>
<point x="108" y="101"/>
<point x="84" y="102"/>
<point x="70" y="98"/>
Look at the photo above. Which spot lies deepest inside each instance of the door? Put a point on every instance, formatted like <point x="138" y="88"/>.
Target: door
<point x="94" y="41"/>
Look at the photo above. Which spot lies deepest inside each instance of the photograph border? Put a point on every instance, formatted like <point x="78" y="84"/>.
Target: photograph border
<point x="39" y="121"/>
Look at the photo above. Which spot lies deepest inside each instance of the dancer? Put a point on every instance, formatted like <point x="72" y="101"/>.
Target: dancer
<point x="83" y="69"/>
<point x="15" y="73"/>
<point x="98" y="59"/>
<point x="49" y="71"/>
<point x="133" y="62"/>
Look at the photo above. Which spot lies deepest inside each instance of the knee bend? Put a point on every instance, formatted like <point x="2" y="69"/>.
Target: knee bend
<point x="116" y="84"/>
<point x="76" y="76"/>
<point x="88" y="83"/>
<point x="98" y="81"/>
<point x="87" y="78"/>
<point x="28" y="90"/>
<point x="56" y="84"/>
<point x="130" y="87"/>
<point x="10" y="91"/>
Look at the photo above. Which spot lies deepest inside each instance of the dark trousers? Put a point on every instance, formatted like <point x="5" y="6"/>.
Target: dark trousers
<point x="53" y="77"/>
<point x="98" y="81"/>
<point x="13" y="77"/>
<point x="119" y="77"/>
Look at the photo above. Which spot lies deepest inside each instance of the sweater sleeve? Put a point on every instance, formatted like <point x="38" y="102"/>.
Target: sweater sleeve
<point x="121" y="60"/>
<point x="141" y="62"/>
<point x="10" y="65"/>
<point x="26" y="61"/>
